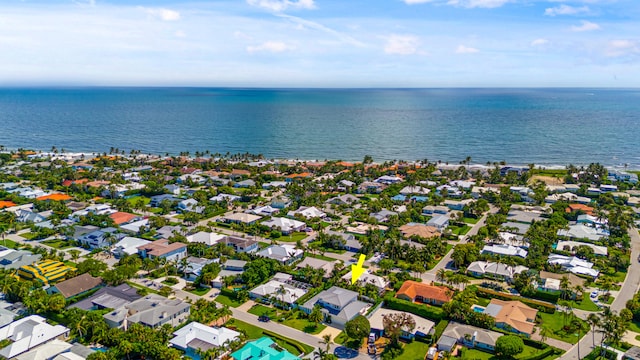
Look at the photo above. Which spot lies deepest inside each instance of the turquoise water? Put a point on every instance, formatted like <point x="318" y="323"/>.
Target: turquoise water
<point x="543" y="126"/>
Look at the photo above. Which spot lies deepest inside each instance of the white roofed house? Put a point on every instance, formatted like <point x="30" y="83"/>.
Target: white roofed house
<point x="417" y="190"/>
<point x="285" y="254"/>
<point x="581" y="231"/>
<point x="572" y="247"/>
<point x="347" y="199"/>
<point x="307" y="212"/>
<point x="383" y="215"/>
<point x="340" y="304"/>
<point x="266" y="210"/>
<point x="505" y="250"/>
<point x="367" y="278"/>
<point x="27" y="333"/>
<point x="241" y="218"/>
<point x="388" y="180"/>
<point x="494" y="270"/>
<point x="205" y="238"/>
<point x="190" y="205"/>
<point x="284" y="225"/>
<point x="281" y="290"/>
<point x="196" y="337"/>
<point x="574" y="265"/>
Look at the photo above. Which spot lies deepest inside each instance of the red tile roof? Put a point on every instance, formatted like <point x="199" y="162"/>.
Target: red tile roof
<point x="4" y="204"/>
<point x="579" y="207"/>
<point x="412" y="289"/>
<point x="122" y="217"/>
<point x="55" y="197"/>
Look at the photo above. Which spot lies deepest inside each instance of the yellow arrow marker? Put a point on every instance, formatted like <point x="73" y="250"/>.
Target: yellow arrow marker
<point x="357" y="270"/>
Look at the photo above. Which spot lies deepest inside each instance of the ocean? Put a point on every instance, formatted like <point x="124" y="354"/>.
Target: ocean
<point x="518" y="126"/>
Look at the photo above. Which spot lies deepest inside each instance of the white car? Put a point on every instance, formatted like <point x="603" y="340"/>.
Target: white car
<point x="594" y="294"/>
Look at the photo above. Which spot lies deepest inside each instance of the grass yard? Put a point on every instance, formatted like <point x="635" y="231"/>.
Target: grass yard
<point x="555" y="324"/>
<point x="28" y="235"/>
<point x="343" y="339"/>
<point x="58" y="244"/>
<point x="9" y="244"/>
<point x="200" y="291"/>
<point x="469" y="220"/>
<point x="585" y="304"/>
<point x="608" y="301"/>
<point x="415" y="350"/>
<point x="293" y="237"/>
<point x="634" y="326"/>
<point x="475" y="354"/>
<point x="301" y="323"/>
<point x="618" y="277"/>
<point x="225" y="300"/>
<point x="321" y="257"/>
<point x="457" y="230"/>
<point x="483" y="301"/>
<point x="135" y="199"/>
<point x="254" y="332"/>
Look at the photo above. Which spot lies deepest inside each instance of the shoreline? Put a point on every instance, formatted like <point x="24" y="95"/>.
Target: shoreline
<point x="440" y="164"/>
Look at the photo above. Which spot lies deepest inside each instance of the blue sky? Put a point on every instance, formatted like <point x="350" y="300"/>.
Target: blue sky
<point x="321" y="43"/>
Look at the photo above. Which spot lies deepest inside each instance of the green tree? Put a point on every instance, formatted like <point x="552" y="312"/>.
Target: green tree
<point x="395" y="324"/>
<point x="509" y="346"/>
<point x="357" y="328"/>
<point x="316" y="316"/>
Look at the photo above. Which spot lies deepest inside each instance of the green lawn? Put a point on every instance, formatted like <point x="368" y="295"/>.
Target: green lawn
<point x="293" y="237"/>
<point x="415" y="350"/>
<point x="225" y="300"/>
<point x="585" y="304"/>
<point x="456" y="230"/>
<point x="200" y="291"/>
<point x="28" y="235"/>
<point x="616" y="278"/>
<point x="321" y="257"/>
<point x="9" y="244"/>
<point x="609" y="300"/>
<point x="475" y="354"/>
<point x="301" y="324"/>
<point x="58" y="244"/>
<point x="254" y="332"/>
<point x="555" y="323"/>
<point x="483" y="301"/>
<point x="133" y="200"/>
<point x="469" y="220"/>
<point x="634" y="326"/>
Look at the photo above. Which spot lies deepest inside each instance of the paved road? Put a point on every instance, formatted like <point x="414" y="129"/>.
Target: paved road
<point x="444" y="263"/>
<point x="629" y="288"/>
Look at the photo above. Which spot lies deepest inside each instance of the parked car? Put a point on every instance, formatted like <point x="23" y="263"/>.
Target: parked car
<point x="263" y="318"/>
<point x="594" y="294"/>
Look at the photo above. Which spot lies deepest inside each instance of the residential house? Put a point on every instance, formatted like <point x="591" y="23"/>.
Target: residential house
<point x="469" y="336"/>
<point x="317" y="264"/>
<point x="225" y="197"/>
<point x="173" y="189"/>
<point x="571" y="246"/>
<point x="419" y="230"/>
<point x="163" y="249"/>
<point x="206" y="238"/>
<point x="432" y="210"/>
<point x="349" y="240"/>
<point x="340" y="304"/>
<point x="136" y="227"/>
<point x="274" y="184"/>
<point x="515" y="227"/>
<point x="307" y="212"/>
<point x="75" y="286"/>
<point x="494" y="270"/>
<point x="371" y="187"/>
<point x="449" y="191"/>
<point x="190" y="205"/>
<point x="152" y="310"/>
<point x="128" y="246"/>
<point x="457" y="205"/>
<point x="523" y="216"/>
<point x="27" y="333"/>
<point x="347" y="199"/>
<point x="241" y="244"/>
<point x="156" y="200"/>
<point x="439" y="222"/>
<point x="580" y="208"/>
<point x="100" y="238"/>
<point x="262" y="349"/>
<point x="266" y="210"/>
<point x="632" y="354"/>
<point x="368" y="278"/>
<point x="512" y="316"/>
<point x="574" y="265"/>
<point x="581" y="231"/>
<point x="285" y="225"/>
<point x="422" y="326"/>
<point x="245" y="184"/>
<point x="108" y="297"/>
<point x="414" y="190"/>
<point x="45" y="272"/>
<point x="232" y="268"/>
<point x="281" y="290"/>
<point x="281" y="202"/>
<point x="241" y="218"/>
<point x="388" y="180"/>
<point x="285" y="254"/>
<point x="18" y="258"/>
<point x="383" y="215"/>
<point x="121" y="218"/>
<point x="424" y="293"/>
<point x="504" y="250"/>
<point x="196" y="338"/>
<point x="194" y="267"/>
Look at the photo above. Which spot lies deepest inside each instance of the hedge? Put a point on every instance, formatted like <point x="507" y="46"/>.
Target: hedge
<point x="546" y="352"/>
<point x="304" y="349"/>
<point x="540" y="305"/>
<point x="427" y="312"/>
<point x="439" y="329"/>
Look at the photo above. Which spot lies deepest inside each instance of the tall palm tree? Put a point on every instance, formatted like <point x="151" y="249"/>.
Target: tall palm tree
<point x="594" y="321"/>
<point x="326" y="340"/>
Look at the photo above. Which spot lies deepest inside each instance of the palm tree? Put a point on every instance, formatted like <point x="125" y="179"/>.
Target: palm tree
<point x="441" y="275"/>
<point x="594" y="321"/>
<point x="326" y="340"/>
<point x="565" y="286"/>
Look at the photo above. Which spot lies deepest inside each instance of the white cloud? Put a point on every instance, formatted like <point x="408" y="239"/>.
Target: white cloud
<point x="162" y="13"/>
<point x="401" y="44"/>
<point x="470" y="4"/>
<point x="180" y="34"/>
<point x="282" y="5"/>
<point x="618" y="48"/>
<point x="539" y="42"/>
<point x="317" y="26"/>
<point x="269" y="46"/>
<point x="461" y="49"/>
<point x="586" y="26"/>
<point x="566" y="10"/>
